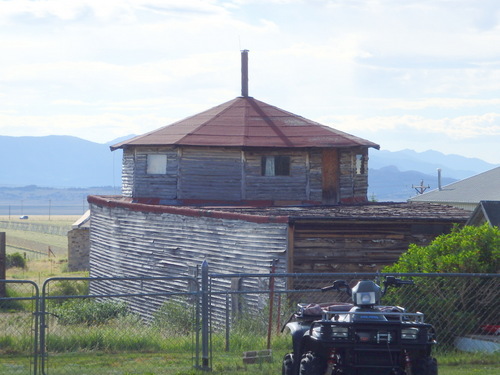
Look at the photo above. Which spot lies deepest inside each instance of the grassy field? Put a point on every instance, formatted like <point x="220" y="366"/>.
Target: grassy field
<point x="45" y="219"/>
<point x="34" y="246"/>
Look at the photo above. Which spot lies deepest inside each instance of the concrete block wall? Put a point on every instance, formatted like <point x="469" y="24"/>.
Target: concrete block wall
<point x="78" y="249"/>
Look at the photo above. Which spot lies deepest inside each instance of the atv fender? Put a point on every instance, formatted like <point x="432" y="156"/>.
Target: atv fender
<point x="298" y="330"/>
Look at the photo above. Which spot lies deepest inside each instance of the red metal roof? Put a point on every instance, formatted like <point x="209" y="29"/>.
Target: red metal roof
<point x="247" y="122"/>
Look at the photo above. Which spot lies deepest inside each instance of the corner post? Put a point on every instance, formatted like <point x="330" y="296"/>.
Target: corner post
<point x="204" y="317"/>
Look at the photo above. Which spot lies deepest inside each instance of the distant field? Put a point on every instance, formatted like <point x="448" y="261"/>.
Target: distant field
<point x="45" y="219"/>
<point x="35" y="244"/>
<point x="35" y="247"/>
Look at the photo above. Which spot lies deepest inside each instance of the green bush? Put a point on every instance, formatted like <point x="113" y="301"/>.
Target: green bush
<point x="89" y="311"/>
<point x="70" y="288"/>
<point x="175" y="316"/>
<point x="15" y="260"/>
<point x="445" y="300"/>
<point x="464" y="250"/>
<point x="12" y="305"/>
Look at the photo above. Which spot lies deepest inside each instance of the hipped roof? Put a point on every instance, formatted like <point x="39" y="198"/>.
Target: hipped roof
<point x="247" y="122"/>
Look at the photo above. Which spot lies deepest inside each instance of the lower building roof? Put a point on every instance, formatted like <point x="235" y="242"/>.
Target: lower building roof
<point x="366" y="211"/>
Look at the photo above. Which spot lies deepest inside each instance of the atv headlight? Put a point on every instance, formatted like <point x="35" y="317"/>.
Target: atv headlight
<point x="409" y="333"/>
<point x="365" y="298"/>
<point x="340" y="332"/>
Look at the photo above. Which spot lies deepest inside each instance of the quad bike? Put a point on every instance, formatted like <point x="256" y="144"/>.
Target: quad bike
<point x="362" y="338"/>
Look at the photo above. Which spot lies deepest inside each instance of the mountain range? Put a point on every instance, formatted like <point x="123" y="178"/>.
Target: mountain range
<point x="69" y="164"/>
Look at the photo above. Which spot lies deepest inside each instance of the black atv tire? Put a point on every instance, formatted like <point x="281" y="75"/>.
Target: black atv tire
<point x="312" y="364"/>
<point x="425" y="366"/>
<point x="287" y="367"/>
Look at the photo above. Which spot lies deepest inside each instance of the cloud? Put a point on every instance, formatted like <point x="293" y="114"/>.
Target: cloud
<point x="105" y="10"/>
<point x="83" y="126"/>
<point x="459" y="128"/>
<point x="391" y="71"/>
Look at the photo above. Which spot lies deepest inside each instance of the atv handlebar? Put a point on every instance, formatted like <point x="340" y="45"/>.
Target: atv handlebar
<point x="391" y="280"/>
<point x="342" y="285"/>
<point x="338" y="285"/>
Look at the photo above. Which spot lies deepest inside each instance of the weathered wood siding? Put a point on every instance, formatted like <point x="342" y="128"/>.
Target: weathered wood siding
<point x="136" y="243"/>
<point x="353" y="186"/>
<point x="210" y="173"/>
<point x="232" y="175"/>
<point x="315" y="175"/>
<point x="293" y="187"/>
<point x="128" y="172"/>
<point x="136" y="182"/>
<point x="356" y="245"/>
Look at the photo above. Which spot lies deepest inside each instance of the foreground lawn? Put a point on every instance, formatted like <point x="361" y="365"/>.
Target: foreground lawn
<point x="175" y="364"/>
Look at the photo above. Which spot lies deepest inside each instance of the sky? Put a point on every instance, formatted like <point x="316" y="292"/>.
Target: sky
<point x="406" y="74"/>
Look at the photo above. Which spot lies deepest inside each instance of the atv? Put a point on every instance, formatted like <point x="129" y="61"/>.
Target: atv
<point x="359" y="338"/>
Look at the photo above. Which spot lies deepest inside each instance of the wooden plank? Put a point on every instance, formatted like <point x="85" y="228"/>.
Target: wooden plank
<point x="331" y="172"/>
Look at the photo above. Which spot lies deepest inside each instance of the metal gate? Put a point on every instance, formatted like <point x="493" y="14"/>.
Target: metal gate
<point x="19" y="327"/>
<point x="59" y="330"/>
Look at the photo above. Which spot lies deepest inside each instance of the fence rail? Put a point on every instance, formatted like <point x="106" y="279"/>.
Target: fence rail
<point x="167" y="325"/>
<point x="36" y="227"/>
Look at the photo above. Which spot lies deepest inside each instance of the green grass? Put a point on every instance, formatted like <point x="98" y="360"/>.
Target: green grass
<point x="99" y="363"/>
<point x="126" y="346"/>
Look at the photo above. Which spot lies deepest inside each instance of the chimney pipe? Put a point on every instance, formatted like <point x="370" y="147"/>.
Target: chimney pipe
<point x="244" y="73"/>
<point x="439" y="179"/>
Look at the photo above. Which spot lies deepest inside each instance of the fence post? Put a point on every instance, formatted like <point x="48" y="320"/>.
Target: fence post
<point x="204" y="317"/>
<point x="3" y="264"/>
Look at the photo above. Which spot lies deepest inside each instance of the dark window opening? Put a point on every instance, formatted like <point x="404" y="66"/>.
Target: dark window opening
<point x="275" y="166"/>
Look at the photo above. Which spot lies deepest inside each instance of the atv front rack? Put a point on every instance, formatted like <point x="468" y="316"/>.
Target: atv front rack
<point x="375" y="316"/>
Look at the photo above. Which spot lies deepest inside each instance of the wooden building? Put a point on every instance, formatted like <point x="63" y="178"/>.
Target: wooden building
<point x="246" y="150"/>
<point x="243" y="184"/>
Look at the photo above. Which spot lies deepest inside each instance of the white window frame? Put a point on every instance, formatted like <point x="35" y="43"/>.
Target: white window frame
<point x="156" y="164"/>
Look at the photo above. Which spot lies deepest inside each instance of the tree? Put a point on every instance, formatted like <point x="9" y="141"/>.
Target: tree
<point x="454" y="305"/>
<point x="464" y="250"/>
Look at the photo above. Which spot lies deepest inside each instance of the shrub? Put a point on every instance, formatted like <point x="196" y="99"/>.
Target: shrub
<point x="175" y="316"/>
<point x="444" y="300"/>
<point x="70" y="288"/>
<point x="465" y="250"/>
<point x="15" y="260"/>
<point x="89" y="311"/>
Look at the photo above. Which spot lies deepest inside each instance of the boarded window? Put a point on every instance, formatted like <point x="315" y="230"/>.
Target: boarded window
<point x="275" y="166"/>
<point x="157" y="164"/>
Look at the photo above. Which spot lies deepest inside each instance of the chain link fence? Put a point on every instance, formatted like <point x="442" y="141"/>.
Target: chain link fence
<point x="463" y="308"/>
<point x="19" y="328"/>
<point x="138" y="325"/>
<point x="156" y="325"/>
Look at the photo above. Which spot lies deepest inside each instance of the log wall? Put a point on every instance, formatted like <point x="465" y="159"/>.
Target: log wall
<point x="357" y="245"/>
<point x="232" y="175"/>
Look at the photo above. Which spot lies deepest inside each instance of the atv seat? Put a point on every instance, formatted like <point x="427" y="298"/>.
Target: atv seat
<point x="315" y="309"/>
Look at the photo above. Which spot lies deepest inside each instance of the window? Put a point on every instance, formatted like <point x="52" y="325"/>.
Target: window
<point x="275" y="166"/>
<point x="156" y="164"/>
<point x="360" y="168"/>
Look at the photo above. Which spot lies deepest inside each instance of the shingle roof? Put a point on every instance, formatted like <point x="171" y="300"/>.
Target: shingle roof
<point x="247" y="122"/>
<point x="484" y="186"/>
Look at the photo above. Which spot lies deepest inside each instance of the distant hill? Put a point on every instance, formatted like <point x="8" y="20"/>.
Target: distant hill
<point x="55" y="168"/>
<point x="58" y="161"/>
<point x="391" y="184"/>
<point x="427" y="162"/>
<point x="392" y="175"/>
